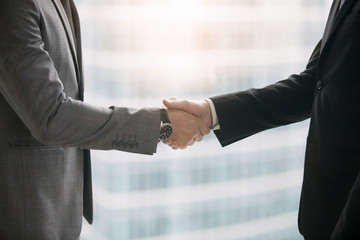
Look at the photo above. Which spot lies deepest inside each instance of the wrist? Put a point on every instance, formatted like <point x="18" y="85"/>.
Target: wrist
<point x="165" y="126"/>
<point x="207" y="116"/>
<point x="211" y="114"/>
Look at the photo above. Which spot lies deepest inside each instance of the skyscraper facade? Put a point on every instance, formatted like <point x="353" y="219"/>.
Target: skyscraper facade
<point x="137" y="52"/>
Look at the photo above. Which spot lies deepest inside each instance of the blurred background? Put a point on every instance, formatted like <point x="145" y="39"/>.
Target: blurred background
<point x="137" y="52"/>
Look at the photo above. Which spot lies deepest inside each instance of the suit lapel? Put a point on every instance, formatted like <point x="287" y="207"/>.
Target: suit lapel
<point x="77" y="33"/>
<point x="343" y="12"/>
<point x="335" y="18"/>
<point x="76" y="52"/>
<point x="69" y="34"/>
<point x="334" y="7"/>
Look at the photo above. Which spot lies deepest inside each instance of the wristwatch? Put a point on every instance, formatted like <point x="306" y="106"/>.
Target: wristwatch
<point x="165" y="126"/>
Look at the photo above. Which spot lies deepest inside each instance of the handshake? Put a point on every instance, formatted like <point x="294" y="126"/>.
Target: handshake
<point x="191" y="120"/>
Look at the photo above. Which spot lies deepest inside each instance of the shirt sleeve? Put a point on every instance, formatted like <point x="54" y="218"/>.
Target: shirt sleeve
<point x="215" y="120"/>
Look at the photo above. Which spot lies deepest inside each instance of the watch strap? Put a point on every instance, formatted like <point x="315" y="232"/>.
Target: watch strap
<point x="164" y="116"/>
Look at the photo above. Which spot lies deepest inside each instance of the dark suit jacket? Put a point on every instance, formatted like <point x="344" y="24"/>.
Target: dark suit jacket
<point x="328" y="92"/>
<point x="45" y="176"/>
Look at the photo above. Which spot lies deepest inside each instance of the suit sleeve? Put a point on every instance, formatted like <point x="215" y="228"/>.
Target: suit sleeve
<point x="31" y="85"/>
<point x="348" y="225"/>
<point x="242" y="114"/>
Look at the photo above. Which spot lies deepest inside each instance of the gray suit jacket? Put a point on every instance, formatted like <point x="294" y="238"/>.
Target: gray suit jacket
<point x="45" y="127"/>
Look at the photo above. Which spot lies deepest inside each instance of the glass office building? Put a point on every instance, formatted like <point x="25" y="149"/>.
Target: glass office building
<point x="137" y="52"/>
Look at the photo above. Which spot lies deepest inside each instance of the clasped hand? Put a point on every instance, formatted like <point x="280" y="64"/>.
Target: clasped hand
<point x="190" y="120"/>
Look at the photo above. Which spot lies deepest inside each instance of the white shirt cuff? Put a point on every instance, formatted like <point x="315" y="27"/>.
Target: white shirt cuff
<point x="215" y="120"/>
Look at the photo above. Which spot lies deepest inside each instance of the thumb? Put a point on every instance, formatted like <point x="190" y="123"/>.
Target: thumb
<point x="175" y="104"/>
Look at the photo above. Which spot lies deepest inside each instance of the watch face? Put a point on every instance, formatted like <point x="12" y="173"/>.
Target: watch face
<point x="165" y="131"/>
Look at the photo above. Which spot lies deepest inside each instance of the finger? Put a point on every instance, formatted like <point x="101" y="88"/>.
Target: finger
<point x="198" y="137"/>
<point x="174" y="144"/>
<point x="191" y="142"/>
<point x="183" y="144"/>
<point x="176" y="147"/>
<point x="183" y="147"/>
<point x="205" y="130"/>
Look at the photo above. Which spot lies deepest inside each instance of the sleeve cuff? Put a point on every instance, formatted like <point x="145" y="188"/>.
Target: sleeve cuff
<point x="215" y="120"/>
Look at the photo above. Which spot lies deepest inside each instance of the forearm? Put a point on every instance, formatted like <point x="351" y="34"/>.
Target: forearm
<point x="83" y="125"/>
<point x="54" y="118"/>
<point x="245" y="113"/>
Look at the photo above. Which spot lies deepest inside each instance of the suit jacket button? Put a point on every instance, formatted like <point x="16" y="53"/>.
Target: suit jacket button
<point x="319" y="85"/>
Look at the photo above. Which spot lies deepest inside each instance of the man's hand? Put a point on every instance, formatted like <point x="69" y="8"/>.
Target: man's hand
<point x="200" y="109"/>
<point x="187" y="129"/>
